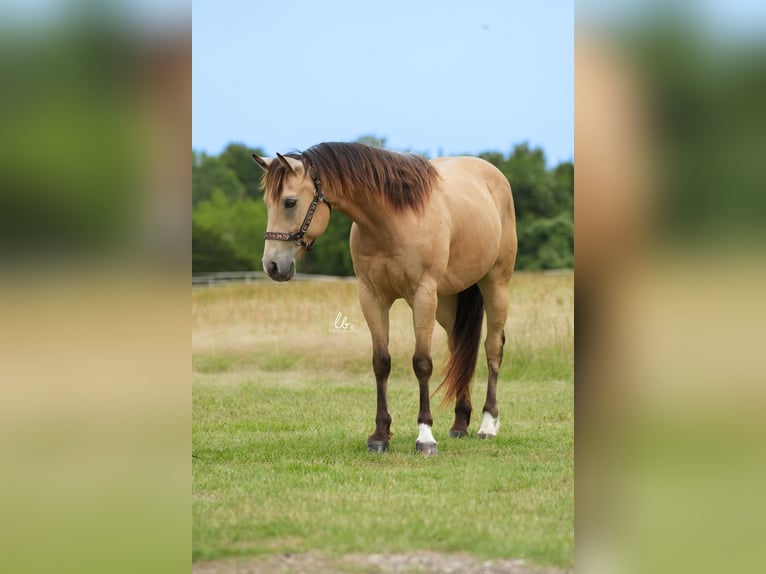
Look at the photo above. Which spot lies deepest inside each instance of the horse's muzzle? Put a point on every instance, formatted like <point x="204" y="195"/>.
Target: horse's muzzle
<point x="279" y="271"/>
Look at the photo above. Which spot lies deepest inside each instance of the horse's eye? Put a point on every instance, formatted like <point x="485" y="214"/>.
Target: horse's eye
<point x="290" y="203"/>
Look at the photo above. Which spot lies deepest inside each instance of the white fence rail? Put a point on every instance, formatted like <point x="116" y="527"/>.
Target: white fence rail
<point x="224" y="277"/>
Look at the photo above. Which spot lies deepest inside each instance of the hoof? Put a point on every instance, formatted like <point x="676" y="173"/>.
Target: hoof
<point x="458" y="433"/>
<point x="426" y="449"/>
<point x="377" y="446"/>
<point x="489" y="426"/>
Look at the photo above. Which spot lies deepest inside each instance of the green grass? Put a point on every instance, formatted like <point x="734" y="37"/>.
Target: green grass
<point x="282" y="408"/>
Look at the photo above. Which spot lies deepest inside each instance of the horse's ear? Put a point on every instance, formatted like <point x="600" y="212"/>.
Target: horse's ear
<point x="290" y="163"/>
<point x="264" y="162"/>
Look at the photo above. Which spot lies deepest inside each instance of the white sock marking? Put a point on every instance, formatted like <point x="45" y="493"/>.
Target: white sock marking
<point x="489" y="424"/>
<point x="425" y="436"/>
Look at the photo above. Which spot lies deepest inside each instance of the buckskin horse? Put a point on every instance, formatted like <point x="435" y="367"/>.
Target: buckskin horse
<point x="440" y="234"/>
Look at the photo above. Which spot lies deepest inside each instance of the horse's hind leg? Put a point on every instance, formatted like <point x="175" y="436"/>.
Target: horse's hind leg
<point x="495" y="292"/>
<point x="446" y="311"/>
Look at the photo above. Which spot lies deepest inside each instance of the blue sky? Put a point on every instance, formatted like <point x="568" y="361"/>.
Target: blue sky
<point x="436" y="76"/>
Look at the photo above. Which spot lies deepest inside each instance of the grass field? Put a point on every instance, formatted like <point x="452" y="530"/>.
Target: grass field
<point x="283" y="403"/>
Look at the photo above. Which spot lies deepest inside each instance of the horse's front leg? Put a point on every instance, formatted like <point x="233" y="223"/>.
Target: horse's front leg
<point x="376" y="314"/>
<point x="423" y="306"/>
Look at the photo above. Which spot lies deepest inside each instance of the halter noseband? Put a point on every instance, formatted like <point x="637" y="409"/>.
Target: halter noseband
<point x="298" y="235"/>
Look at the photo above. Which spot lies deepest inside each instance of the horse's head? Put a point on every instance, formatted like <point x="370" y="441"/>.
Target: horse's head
<point x="295" y="217"/>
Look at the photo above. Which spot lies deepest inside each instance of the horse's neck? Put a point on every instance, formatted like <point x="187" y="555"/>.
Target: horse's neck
<point x="371" y="218"/>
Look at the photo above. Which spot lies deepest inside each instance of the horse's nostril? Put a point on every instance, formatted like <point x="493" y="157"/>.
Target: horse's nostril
<point x="272" y="267"/>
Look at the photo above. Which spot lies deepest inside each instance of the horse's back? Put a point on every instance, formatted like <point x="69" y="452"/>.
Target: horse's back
<point x="472" y="175"/>
<point x="479" y="201"/>
<point x="466" y="232"/>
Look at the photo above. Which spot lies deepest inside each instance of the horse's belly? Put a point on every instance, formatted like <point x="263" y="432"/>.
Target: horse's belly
<point x="474" y="244"/>
<point x="466" y="266"/>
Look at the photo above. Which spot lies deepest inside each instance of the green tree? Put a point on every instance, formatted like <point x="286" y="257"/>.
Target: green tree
<point x="546" y="243"/>
<point x="563" y="187"/>
<point x="372" y="140"/>
<point x="532" y="185"/>
<point x="239" y="224"/>
<point x="209" y="173"/>
<point x="239" y="159"/>
<point x="210" y="252"/>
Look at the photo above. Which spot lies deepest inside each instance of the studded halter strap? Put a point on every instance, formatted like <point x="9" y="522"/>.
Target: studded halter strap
<point x="298" y="235"/>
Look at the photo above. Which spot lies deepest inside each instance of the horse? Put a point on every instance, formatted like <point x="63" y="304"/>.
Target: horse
<point x="440" y="234"/>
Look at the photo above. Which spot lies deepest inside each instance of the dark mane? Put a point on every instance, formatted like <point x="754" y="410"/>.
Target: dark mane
<point x="401" y="181"/>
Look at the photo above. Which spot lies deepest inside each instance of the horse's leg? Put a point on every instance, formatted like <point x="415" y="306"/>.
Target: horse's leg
<point x="423" y="306"/>
<point x="445" y="315"/>
<point x="376" y="314"/>
<point x="495" y="292"/>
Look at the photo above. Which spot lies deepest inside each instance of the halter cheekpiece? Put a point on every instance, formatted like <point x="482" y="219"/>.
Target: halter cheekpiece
<point x="298" y="235"/>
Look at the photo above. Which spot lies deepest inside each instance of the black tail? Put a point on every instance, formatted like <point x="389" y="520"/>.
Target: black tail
<point x="464" y="346"/>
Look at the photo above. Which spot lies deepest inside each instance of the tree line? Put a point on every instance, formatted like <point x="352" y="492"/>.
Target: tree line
<point x="229" y="215"/>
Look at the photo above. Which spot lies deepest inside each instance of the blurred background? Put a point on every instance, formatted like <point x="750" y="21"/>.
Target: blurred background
<point x="94" y="235"/>
<point x="670" y="250"/>
<point x="95" y="106"/>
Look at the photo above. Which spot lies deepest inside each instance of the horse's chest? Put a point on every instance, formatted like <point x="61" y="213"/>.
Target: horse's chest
<point x="396" y="276"/>
<point x="397" y="268"/>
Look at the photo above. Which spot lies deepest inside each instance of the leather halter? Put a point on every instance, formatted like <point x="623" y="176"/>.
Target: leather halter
<point x="298" y="235"/>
